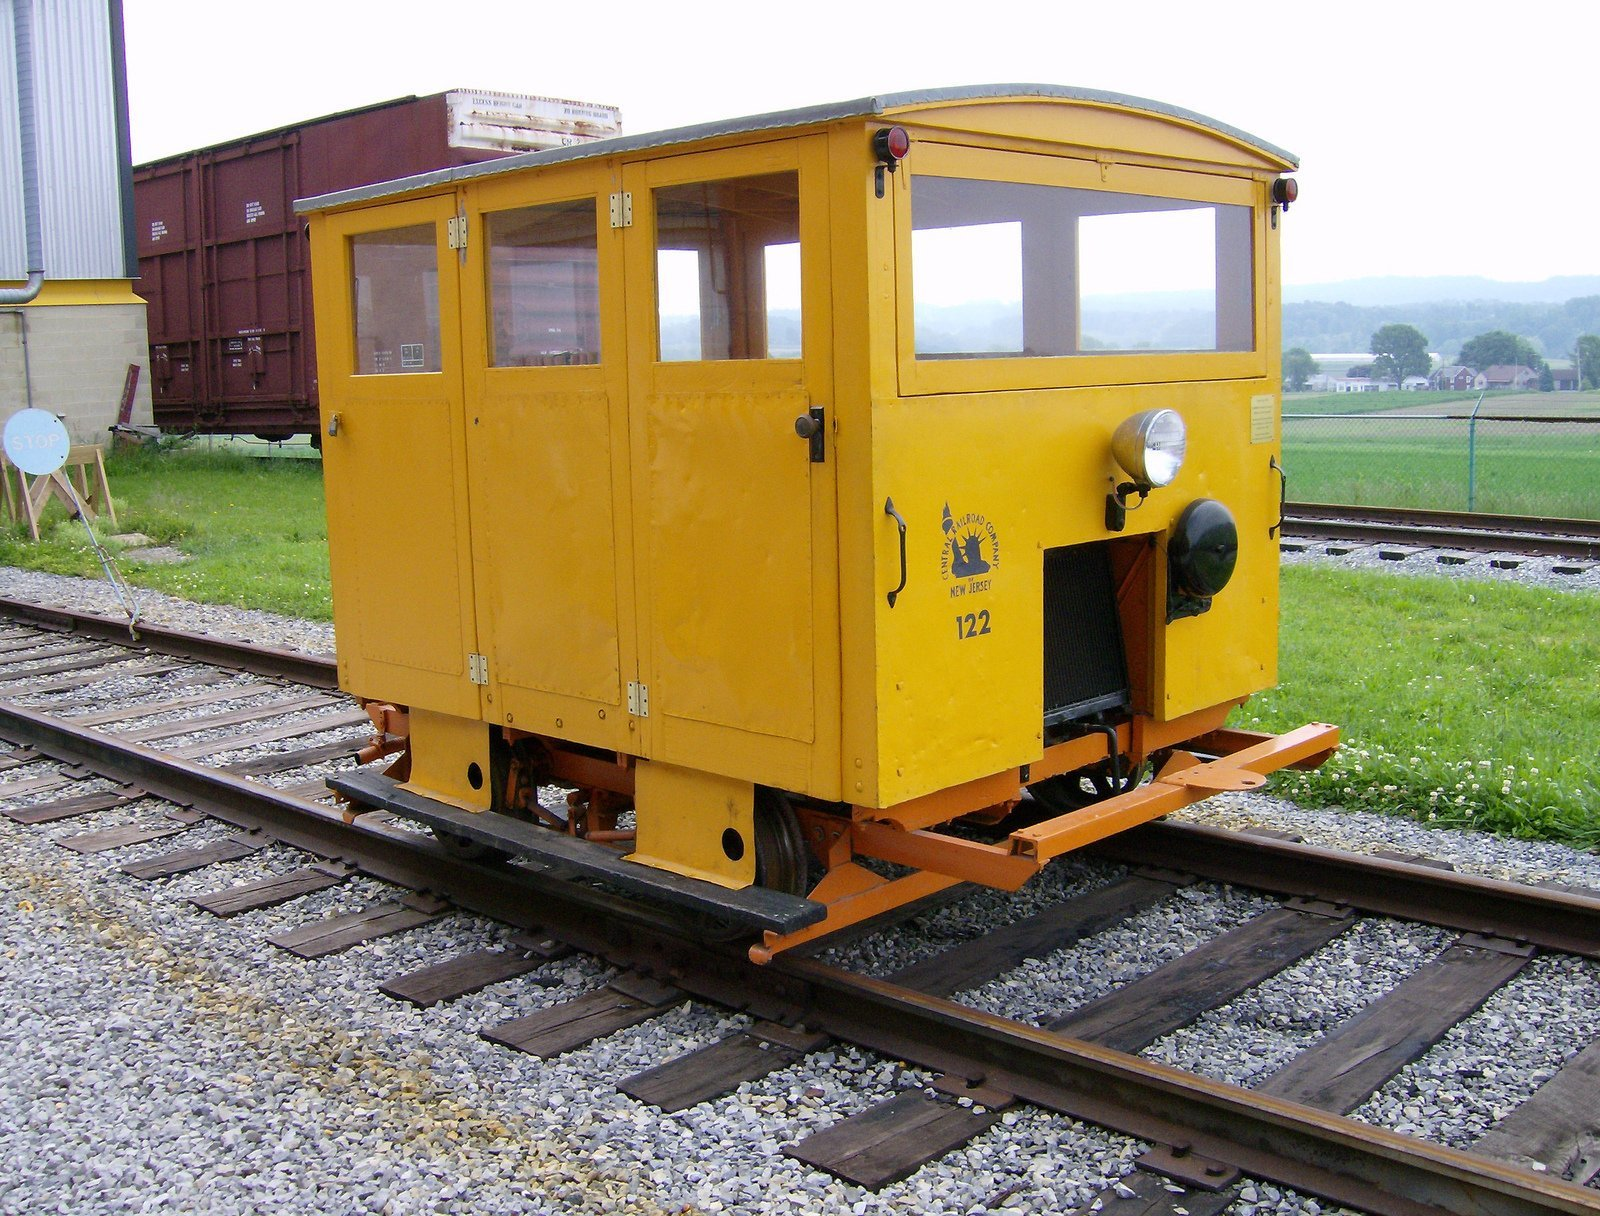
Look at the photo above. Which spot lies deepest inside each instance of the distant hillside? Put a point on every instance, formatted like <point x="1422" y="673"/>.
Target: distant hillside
<point x="1331" y="317"/>
<point x="1553" y="327"/>
<point x="1403" y="290"/>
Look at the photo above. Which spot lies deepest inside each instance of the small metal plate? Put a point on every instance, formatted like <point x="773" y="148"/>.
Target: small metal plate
<point x="1218" y="780"/>
<point x="1191" y="1169"/>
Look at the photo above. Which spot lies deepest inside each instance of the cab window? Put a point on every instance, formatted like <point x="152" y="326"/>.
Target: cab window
<point x="544" y="285"/>
<point x="728" y="269"/>
<point x="1009" y="269"/>
<point x="395" y="290"/>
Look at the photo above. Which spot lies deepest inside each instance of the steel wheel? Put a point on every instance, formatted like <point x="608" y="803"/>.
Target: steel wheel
<point x="464" y="848"/>
<point x="783" y="859"/>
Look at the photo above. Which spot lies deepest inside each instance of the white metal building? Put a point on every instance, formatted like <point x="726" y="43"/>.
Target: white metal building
<point x="67" y="346"/>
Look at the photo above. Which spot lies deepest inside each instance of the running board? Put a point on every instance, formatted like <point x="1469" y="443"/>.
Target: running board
<point x="755" y="908"/>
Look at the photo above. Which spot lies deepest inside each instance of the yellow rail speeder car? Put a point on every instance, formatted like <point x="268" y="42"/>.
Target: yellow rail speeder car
<point x="746" y="501"/>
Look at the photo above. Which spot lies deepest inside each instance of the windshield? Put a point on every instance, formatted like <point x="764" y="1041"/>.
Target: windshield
<point x="1007" y="270"/>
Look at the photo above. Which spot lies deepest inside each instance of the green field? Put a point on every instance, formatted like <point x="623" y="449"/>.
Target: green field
<point x="1501" y="402"/>
<point x="1400" y="459"/>
<point x="1380" y="403"/>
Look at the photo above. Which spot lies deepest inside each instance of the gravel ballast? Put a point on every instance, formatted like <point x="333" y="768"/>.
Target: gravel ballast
<point x="162" y="1059"/>
<point x="1556" y="573"/>
<point x="246" y="624"/>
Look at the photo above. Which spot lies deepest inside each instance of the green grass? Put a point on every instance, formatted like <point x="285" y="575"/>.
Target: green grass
<point x="1463" y="704"/>
<point x="254" y="529"/>
<point x="1517" y="468"/>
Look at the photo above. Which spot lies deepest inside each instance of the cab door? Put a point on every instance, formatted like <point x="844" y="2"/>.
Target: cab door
<point x="547" y="423"/>
<point x="734" y="512"/>
<point x="395" y="457"/>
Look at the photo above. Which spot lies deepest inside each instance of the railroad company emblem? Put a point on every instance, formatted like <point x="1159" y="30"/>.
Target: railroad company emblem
<point x="971" y="552"/>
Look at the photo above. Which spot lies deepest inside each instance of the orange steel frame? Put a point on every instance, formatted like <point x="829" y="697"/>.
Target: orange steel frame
<point x="900" y="835"/>
<point x="854" y="894"/>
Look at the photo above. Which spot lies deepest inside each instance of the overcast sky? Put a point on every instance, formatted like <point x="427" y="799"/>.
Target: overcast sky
<point x="1434" y="138"/>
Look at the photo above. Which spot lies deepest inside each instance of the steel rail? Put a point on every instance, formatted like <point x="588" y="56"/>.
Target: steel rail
<point x="314" y="671"/>
<point x="1339" y="1159"/>
<point x="1318" y="1153"/>
<point x="1553" y="918"/>
<point x="1574" y="539"/>
<point x="1561" y="920"/>
<point x="1480" y="520"/>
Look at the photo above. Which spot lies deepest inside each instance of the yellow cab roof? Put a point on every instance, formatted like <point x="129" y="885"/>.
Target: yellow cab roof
<point x="886" y="105"/>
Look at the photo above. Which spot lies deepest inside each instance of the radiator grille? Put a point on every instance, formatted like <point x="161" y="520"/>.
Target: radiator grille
<point x="1085" y="670"/>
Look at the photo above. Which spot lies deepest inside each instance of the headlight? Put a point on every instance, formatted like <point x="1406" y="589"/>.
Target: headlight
<point x="1150" y="446"/>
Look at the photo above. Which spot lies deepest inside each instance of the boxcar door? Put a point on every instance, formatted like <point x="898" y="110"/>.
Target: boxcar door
<point x="729" y="344"/>
<point x="395" y="458"/>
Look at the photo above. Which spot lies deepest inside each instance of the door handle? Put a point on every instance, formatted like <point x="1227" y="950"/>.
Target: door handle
<point x="888" y="509"/>
<point x="1283" y="495"/>
<point x="813" y="427"/>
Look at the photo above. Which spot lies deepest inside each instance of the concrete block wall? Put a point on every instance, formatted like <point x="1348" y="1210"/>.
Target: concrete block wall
<point x="77" y="359"/>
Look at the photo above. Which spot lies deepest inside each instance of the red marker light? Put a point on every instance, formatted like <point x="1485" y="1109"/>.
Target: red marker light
<point x="1284" y="191"/>
<point x="890" y="145"/>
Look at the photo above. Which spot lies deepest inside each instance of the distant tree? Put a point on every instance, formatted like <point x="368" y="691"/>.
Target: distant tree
<point x="1402" y="351"/>
<point x="1317" y="325"/>
<point x="1547" y="380"/>
<point x="1298" y="368"/>
<point x="1361" y="371"/>
<point x="1587" y="358"/>
<point x="1498" y="346"/>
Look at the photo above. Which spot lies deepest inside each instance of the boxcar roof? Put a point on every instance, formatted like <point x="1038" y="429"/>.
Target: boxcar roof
<point x="861" y="107"/>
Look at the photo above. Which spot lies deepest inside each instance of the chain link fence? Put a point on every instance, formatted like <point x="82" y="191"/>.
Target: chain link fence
<point x="1518" y="454"/>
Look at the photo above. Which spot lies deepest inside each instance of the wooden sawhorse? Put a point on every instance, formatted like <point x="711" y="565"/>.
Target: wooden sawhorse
<point x="25" y="497"/>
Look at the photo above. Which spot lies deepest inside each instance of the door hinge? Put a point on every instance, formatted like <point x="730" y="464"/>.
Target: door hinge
<point x="456" y="229"/>
<point x="638" y="699"/>
<point x="478" y="668"/>
<point x="622" y="209"/>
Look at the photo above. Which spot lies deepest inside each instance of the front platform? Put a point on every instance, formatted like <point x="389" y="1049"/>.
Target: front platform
<point x="755" y="908"/>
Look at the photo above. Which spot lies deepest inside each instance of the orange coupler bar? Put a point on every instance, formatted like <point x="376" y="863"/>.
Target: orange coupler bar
<point x="852" y="893"/>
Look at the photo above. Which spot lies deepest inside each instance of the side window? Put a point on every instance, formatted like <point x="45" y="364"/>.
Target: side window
<point x="728" y="269"/>
<point x="544" y="285"/>
<point x="395" y="291"/>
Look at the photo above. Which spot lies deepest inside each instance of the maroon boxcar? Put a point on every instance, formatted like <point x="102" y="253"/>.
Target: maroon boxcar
<point x="223" y="261"/>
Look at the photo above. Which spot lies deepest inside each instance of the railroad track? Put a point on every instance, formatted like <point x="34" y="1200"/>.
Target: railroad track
<point x="1448" y="531"/>
<point x="1203" y="1136"/>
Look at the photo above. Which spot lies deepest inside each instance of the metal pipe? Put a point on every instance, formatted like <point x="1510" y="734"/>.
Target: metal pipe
<point x="27" y="125"/>
<point x="1472" y="453"/>
<point x="1114" y="747"/>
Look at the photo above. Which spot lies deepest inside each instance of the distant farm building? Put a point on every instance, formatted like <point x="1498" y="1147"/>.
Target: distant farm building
<point x="1338" y="373"/>
<point x="1453" y="377"/>
<point x="1504" y="375"/>
<point x="1355" y="384"/>
<point x="1564" y="377"/>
